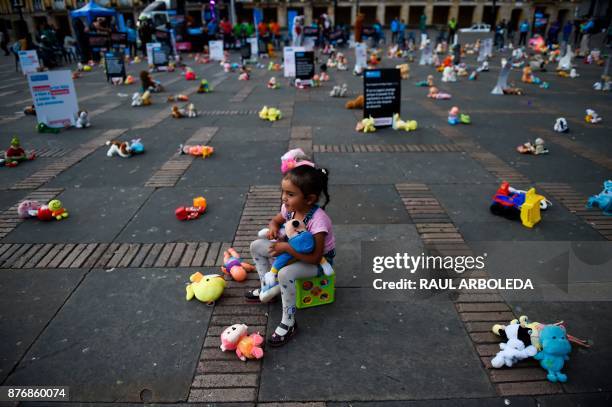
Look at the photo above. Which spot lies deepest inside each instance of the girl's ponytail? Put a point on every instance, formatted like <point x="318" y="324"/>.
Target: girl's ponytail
<point x="324" y="183"/>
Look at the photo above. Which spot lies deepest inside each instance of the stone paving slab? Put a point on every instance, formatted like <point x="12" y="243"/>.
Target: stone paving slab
<point x="240" y="164"/>
<point x="340" y="338"/>
<point x="366" y="204"/>
<point x="387" y="168"/>
<point x="37" y="296"/>
<point x="141" y="345"/>
<point x="155" y="220"/>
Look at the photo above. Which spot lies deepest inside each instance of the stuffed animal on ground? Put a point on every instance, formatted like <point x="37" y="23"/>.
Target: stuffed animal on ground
<point x="573" y="73"/>
<point x="82" y="120"/>
<point x="527" y="75"/>
<point x="513" y="91"/>
<point x="244" y="74"/>
<point x="272" y="83"/>
<point x="434" y="93"/>
<point x="517" y="346"/>
<point x="136" y="99"/>
<point x="190" y="75"/>
<point x="339" y="91"/>
<point x="204" y="87"/>
<point x="294" y="158"/>
<point x="124" y="149"/>
<point x="205" y="288"/>
<point x="454" y="117"/>
<point x="128" y="80"/>
<point x="178" y="98"/>
<point x="399" y="124"/>
<point x="554" y="353"/>
<point x="116" y="81"/>
<point x="57" y="209"/>
<point x="176" y="112"/>
<point x="473" y="76"/>
<point x="191" y="212"/>
<point x="592" y="116"/>
<point x="76" y="75"/>
<point x="30" y="110"/>
<point x="149" y="84"/>
<point x="247" y="346"/>
<point x="603" y="200"/>
<point x="461" y="70"/>
<point x="196" y="150"/>
<point x="44" y="128"/>
<point x="356" y="103"/>
<point x="28" y="209"/>
<point x="535" y="148"/>
<point x="270" y="113"/>
<point x="273" y="67"/>
<point x="191" y="111"/>
<point x="561" y="125"/>
<point x="234" y="266"/>
<point x="484" y="67"/>
<point x="366" y="125"/>
<point x="448" y="75"/>
<point x="15" y="154"/>
<point x="515" y="204"/>
<point x="404" y="70"/>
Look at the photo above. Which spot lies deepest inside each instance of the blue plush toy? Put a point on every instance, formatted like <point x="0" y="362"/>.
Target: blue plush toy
<point x="300" y="240"/>
<point x="554" y="353"/>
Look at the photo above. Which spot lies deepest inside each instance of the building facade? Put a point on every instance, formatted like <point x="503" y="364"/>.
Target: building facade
<point x="437" y="12"/>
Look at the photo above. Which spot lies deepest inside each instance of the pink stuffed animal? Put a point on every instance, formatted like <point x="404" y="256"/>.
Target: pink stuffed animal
<point x="247" y="346"/>
<point x="28" y="209"/>
<point x="294" y="158"/>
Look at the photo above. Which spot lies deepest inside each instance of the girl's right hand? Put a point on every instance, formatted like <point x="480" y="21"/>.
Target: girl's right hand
<point x="272" y="232"/>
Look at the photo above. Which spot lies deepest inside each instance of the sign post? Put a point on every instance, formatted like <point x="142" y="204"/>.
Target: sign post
<point x="382" y="93"/>
<point x="216" y="50"/>
<point x="54" y="98"/>
<point x="114" y="64"/>
<point x="289" y="60"/>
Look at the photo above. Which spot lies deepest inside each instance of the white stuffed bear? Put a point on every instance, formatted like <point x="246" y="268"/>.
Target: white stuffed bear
<point x="448" y="75"/>
<point x="136" y="99"/>
<point x="83" y="120"/>
<point x="514" y="349"/>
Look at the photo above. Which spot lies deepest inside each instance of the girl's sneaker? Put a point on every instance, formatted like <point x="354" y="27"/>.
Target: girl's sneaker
<point x="279" y="340"/>
<point x="253" y="296"/>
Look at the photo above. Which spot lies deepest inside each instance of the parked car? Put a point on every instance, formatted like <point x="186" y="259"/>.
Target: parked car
<point x="477" y="28"/>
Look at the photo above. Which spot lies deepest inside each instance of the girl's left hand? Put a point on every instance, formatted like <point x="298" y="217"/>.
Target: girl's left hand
<point x="278" y="248"/>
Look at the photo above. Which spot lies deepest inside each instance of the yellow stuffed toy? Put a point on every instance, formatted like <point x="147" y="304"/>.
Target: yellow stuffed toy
<point x="207" y="289"/>
<point x="399" y="124"/>
<point x="270" y="113"/>
<point x="366" y="125"/>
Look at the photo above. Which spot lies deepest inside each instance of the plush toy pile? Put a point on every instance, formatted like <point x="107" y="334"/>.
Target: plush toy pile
<point x="270" y="113"/>
<point x="34" y="209"/>
<point x="191" y="212"/>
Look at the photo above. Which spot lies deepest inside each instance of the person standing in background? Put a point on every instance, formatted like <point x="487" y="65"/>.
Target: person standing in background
<point x="452" y="29"/>
<point x="3" y="42"/>
<point x="394" y="30"/>
<point x="359" y="27"/>
<point x="524" y="30"/>
<point x="132" y="37"/>
<point x="567" y="31"/>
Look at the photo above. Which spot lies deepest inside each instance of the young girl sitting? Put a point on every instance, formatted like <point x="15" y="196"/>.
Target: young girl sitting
<point x="301" y="189"/>
<point x="150" y="84"/>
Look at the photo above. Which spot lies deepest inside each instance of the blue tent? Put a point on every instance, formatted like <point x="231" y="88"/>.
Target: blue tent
<point x="91" y="10"/>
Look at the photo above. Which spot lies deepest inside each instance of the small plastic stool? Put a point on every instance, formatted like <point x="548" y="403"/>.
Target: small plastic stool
<point x="314" y="291"/>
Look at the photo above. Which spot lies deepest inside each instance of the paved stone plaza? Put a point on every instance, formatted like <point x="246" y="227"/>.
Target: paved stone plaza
<point x="97" y="302"/>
